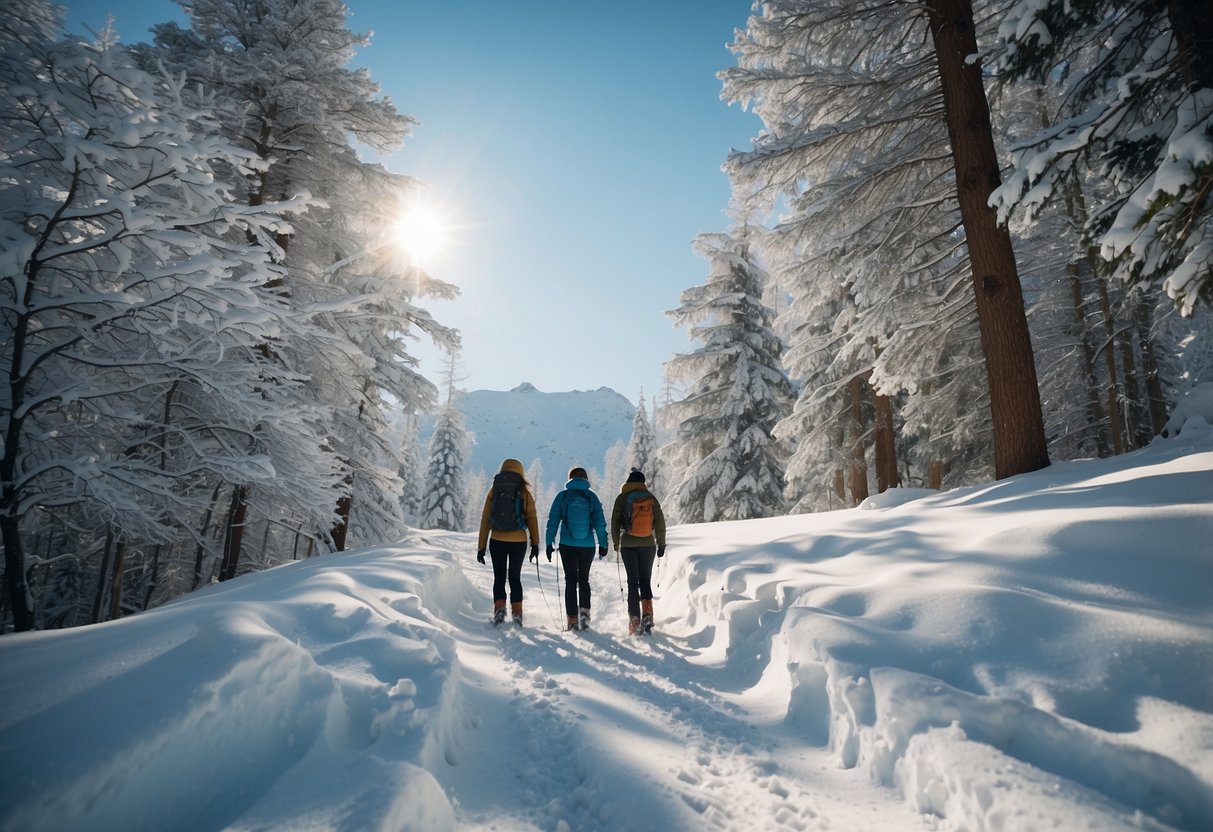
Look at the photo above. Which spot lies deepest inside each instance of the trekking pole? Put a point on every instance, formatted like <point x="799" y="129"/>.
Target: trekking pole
<point x="658" y="571"/>
<point x="544" y="596"/>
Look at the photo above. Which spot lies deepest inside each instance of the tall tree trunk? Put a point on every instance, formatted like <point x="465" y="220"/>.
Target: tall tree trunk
<point x="344" y="503"/>
<point x="103" y="575"/>
<point x="154" y="578"/>
<point x="885" y="447"/>
<point x="14" y="573"/>
<point x="1095" y="411"/>
<point x="15" y="583"/>
<point x="1192" y="25"/>
<point x="859" y="464"/>
<point x="1109" y="351"/>
<point x="234" y="536"/>
<point x="200" y="550"/>
<point x="935" y="474"/>
<point x="1157" y="402"/>
<point x="116" y="580"/>
<point x="1017" y="421"/>
<point x="1135" y="398"/>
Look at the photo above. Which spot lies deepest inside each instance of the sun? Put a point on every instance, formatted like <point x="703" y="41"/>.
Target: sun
<point x="421" y="232"/>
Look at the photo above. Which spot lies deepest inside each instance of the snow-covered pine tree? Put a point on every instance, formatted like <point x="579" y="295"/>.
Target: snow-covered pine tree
<point x="444" y="502"/>
<point x="614" y="469"/>
<point x="281" y="71"/>
<point x="1139" y="114"/>
<point x="856" y="147"/>
<point x="409" y="471"/>
<point x="642" y="447"/>
<point x="133" y="301"/>
<point x="724" y="461"/>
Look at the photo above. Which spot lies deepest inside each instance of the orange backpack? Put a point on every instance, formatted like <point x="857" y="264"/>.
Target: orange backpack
<point x="638" y="514"/>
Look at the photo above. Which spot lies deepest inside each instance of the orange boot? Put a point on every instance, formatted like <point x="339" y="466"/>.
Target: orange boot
<point x="498" y="611"/>
<point x="516" y="611"/>
<point x="646" y="616"/>
<point x="633" y="625"/>
<point x="571" y="622"/>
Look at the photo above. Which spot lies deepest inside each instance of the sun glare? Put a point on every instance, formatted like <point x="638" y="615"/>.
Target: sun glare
<point x="421" y="232"/>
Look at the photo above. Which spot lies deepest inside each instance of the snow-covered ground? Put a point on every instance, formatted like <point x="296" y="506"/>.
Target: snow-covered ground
<point x="1033" y="653"/>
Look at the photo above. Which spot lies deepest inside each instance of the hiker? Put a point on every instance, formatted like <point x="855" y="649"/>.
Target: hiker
<point x="507" y="518"/>
<point x="577" y="514"/>
<point x="638" y="534"/>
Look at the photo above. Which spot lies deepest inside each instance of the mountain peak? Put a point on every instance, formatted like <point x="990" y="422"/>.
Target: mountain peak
<point x="559" y="429"/>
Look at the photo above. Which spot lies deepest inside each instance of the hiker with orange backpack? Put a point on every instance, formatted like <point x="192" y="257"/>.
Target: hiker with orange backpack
<point x="577" y="514"/>
<point x="638" y="535"/>
<point x="507" y="517"/>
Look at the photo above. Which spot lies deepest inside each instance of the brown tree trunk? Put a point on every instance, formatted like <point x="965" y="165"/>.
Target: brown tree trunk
<point x="200" y="549"/>
<point x="1157" y="402"/>
<point x="885" y="447"/>
<point x="103" y="575"/>
<point x="234" y="538"/>
<point x="1192" y="25"/>
<point x="116" y="581"/>
<point x="1018" y="425"/>
<point x="1109" y="351"/>
<point x="154" y="578"/>
<point x="1135" y="415"/>
<point x="344" y="503"/>
<point x="1095" y="409"/>
<point x="859" y="464"/>
<point x="14" y="573"/>
<point x="935" y="474"/>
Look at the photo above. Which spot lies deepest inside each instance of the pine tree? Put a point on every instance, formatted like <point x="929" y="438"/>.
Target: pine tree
<point x="444" y="503"/>
<point x="641" y="453"/>
<point x="410" y="471"/>
<point x="280" y="71"/>
<point x="135" y="300"/>
<point x="855" y="145"/>
<point x="728" y="465"/>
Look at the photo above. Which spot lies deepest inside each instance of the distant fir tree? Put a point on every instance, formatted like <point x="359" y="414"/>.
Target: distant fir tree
<point x="724" y="462"/>
<point x="445" y="501"/>
<point x="614" y="468"/>
<point x="409" y="471"/>
<point x="642" y="448"/>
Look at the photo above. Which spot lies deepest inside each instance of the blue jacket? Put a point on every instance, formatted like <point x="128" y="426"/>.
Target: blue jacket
<point x="556" y="517"/>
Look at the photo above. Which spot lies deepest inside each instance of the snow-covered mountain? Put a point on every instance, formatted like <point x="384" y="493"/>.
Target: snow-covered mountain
<point x="561" y="430"/>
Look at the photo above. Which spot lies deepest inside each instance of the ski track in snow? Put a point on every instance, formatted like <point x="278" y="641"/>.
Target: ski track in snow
<point x="600" y="730"/>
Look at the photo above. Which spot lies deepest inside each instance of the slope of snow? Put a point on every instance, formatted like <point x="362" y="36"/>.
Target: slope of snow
<point x="561" y="430"/>
<point x="1033" y="653"/>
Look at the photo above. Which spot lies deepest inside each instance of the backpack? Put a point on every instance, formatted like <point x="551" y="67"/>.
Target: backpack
<point x="638" y="514"/>
<point x="505" y="515"/>
<point x="577" y="513"/>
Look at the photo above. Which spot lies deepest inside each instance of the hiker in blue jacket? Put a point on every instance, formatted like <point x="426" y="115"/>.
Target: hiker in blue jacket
<point x="577" y="514"/>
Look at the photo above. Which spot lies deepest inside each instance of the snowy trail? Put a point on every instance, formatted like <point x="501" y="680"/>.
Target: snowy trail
<point x="598" y="730"/>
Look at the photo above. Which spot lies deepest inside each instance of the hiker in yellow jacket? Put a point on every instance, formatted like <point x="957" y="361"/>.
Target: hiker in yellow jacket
<point x="638" y="535"/>
<point x="508" y="516"/>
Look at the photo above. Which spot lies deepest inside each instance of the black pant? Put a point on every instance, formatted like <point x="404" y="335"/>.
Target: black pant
<point x="638" y="561"/>
<point x="577" y="561"/>
<point x="507" y="554"/>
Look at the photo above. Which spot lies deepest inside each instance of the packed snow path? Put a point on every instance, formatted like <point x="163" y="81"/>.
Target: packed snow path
<point x="600" y="730"/>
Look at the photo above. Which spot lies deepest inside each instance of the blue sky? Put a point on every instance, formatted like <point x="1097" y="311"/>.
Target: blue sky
<point x="576" y="147"/>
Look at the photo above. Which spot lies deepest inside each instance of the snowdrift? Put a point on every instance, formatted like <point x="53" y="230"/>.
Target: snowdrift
<point x="1032" y="653"/>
